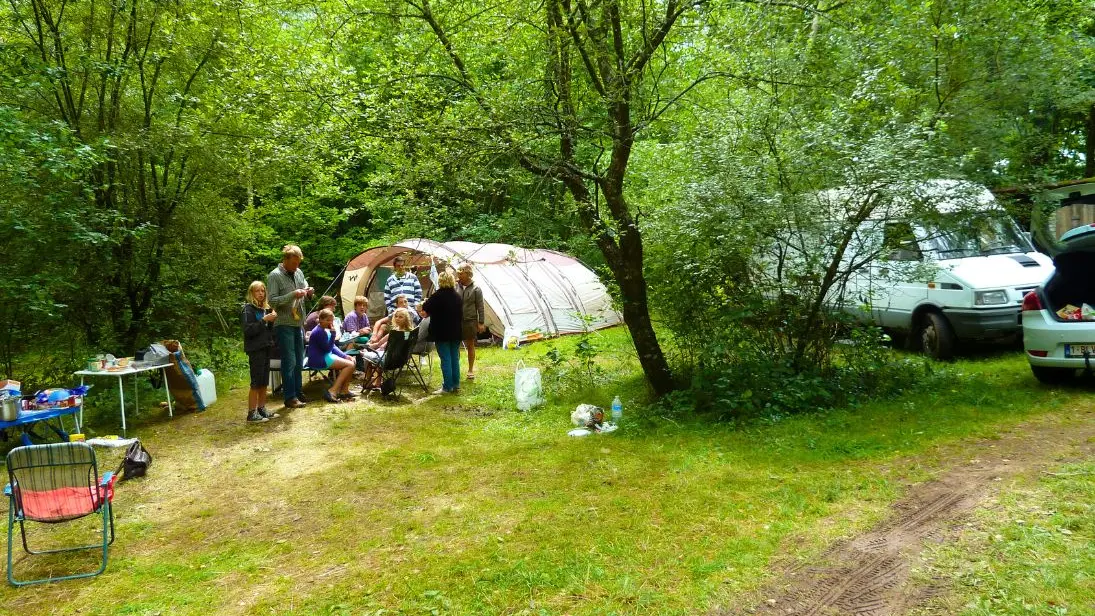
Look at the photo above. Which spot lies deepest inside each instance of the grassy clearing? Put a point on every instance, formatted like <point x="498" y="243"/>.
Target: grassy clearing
<point x="462" y="505"/>
<point x="1032" y="551"/>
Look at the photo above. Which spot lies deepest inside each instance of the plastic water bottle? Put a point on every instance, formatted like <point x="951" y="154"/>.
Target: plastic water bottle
<point x="617" y="410"/>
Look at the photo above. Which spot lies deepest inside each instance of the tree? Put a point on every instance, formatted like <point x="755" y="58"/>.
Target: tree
<point x="564" y="89"/>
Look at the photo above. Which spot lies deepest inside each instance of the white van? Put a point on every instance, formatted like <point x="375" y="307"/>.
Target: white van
<point x="960" y="276"/>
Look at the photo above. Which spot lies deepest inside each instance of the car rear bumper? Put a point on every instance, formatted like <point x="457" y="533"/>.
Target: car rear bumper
<point x="985" y="323"/>
<point x="1042" y="332"/>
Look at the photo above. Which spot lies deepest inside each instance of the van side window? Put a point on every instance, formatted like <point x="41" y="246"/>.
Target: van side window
<point x="899" y="243"/>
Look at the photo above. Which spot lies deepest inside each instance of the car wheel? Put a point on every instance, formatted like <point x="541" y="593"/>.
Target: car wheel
<point x="1053" y="376"/>
<point x="936" y="336"/>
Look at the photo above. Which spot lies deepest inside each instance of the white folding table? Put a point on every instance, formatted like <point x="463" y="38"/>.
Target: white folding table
<point x="124" y="372"/>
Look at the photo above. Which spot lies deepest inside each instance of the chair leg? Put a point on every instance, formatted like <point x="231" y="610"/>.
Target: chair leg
<point x="416" y="372"/>
<point x="11" y="537"/>
<point x="107" y="513"/>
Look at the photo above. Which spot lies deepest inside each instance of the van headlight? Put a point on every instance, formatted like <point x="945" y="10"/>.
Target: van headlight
<point x="990" y="298"/>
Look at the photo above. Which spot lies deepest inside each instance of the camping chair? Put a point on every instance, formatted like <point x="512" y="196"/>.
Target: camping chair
<point x="396" y="358"/>
<point x="423" y="352"/>
<point x="56" y="483"/>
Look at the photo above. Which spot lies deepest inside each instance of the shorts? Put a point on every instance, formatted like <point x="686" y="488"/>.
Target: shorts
<point x="329" y="360"/>
<point x="469" y="330"/>
<point x="259" y="364"/>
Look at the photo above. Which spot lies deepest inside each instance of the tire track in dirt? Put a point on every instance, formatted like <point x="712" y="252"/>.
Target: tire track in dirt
<point x="868" y="575"/>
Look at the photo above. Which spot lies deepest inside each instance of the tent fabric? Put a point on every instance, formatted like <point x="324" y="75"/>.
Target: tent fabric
<point x="541" y="293"/>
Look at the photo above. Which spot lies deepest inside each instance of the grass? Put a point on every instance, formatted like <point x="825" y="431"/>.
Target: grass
<point x="463" y="505"/>
<point x="1032" y="551"/>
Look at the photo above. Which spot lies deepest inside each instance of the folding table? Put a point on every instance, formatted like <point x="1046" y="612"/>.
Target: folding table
<point x="124" y="372"/>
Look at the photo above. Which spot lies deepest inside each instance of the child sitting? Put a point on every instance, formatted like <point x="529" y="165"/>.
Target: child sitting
<point x="323" y="353"/>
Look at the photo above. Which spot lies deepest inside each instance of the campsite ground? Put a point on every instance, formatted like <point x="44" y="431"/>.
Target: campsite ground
<point x="974" y="498"/>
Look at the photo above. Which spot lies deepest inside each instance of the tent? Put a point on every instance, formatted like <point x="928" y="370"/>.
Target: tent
<point x="540" y="293"/>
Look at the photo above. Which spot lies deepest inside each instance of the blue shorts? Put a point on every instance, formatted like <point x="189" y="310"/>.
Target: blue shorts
<point x="329" y="360"/>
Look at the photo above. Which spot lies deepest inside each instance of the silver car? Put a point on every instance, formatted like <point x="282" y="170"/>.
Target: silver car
<point x="1058" y="346"/>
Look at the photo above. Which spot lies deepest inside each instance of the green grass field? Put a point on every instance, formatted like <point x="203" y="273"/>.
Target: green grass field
<point x="464" y="505"/>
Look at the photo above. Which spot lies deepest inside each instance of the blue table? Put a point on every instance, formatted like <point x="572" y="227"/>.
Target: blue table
<point x="28" y="419"/>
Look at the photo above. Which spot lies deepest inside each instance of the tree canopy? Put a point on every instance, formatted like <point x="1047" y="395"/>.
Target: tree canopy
<point x="155" y="156"/>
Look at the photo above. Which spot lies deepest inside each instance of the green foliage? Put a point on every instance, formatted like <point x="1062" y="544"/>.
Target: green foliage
<point x="579" y="371"/>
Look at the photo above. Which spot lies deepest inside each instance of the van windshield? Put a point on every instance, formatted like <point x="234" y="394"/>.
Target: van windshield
<point x="982" y="236"/>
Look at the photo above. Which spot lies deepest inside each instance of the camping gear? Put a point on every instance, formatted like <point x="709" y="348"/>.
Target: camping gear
<point x="11" y="387"/>
<point x="539" y="293"/>
<point x="527" y="387"/>
<point x="155" y="354"/>
<point x="397" y="359"/>
<point x="53" y="484"/>
<point x="9" y="408"/>
<point x="182" y="382"/>
<point x="207" y="386"/>
<point x="136" y="461"/>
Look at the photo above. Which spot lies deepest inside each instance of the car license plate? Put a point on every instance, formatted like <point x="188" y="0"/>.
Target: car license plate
<point x="1079" y="350"/>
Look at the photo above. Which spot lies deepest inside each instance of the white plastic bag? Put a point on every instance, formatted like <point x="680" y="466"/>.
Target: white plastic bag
<point x="527" y="387"/>
<point x="511" y="339"/>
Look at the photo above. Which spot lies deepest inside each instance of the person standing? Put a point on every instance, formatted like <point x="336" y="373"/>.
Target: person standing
<point x="445" y="310"/>
<point x="474" y="316"/>
<point x="258" y="340"/>
<point x="402" y="282"/>
<point x="288" y="290"/>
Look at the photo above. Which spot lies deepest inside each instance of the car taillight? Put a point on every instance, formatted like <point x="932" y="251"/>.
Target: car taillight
<point x="1031" y="301"/>
<point x="1039" y="353"/>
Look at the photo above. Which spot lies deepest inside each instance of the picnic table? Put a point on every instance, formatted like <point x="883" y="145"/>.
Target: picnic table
<point x="29" y="419"/>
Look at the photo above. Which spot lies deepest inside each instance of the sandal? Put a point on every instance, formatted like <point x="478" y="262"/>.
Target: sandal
<point x="470" y="376"/>
<point x="329" y="398"/>
<point x="347" y="396"/>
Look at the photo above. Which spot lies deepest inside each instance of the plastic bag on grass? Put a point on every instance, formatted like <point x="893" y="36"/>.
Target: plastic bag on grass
<point x="527" y="387"/>
<point x="511" y="339"/>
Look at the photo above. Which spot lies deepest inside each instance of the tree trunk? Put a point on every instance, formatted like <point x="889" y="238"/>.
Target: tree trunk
<point x="625" y="259"/>
<point x="636" y="309"/>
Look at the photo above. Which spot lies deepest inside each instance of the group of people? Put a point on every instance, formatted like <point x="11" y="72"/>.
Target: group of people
<point x="275" y="315"/>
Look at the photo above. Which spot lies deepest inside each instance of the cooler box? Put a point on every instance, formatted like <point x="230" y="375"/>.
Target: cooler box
<point x="207" y="386"/>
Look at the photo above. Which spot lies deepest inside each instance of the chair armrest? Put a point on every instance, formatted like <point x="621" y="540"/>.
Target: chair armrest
<point x="108" y="477"/>
<point x="7" y="489"/>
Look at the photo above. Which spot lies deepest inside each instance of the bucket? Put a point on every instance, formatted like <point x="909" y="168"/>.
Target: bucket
<point x="9" y="409"/>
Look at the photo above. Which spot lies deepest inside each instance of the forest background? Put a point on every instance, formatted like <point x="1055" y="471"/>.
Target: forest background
<point x="155" y="156"/>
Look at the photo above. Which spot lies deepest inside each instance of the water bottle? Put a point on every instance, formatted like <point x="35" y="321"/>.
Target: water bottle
<point x="617" y="410"/>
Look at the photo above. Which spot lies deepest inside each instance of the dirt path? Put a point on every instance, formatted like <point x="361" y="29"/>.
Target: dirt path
<point x="869" y="575"/>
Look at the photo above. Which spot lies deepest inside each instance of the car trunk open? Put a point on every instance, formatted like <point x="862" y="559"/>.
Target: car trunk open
<point x="1073" y="282"/>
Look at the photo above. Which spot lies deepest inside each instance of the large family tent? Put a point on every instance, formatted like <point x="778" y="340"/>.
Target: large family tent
<point x="539" y="293"/>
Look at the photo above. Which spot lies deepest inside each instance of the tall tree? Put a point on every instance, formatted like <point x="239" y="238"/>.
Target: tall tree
<point x="565" y="88"/>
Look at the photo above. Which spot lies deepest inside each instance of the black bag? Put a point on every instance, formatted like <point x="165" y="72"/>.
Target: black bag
<point x="135" y="463"/>
<point x="387" y="387"/>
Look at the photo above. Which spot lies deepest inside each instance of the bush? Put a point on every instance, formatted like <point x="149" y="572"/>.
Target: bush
<point x="744" y="384"/>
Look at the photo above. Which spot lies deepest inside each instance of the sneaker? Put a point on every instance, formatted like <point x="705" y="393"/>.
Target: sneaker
<point x="303" y="399"/>
<point x="438" y="392"/>
<point x="253" y="416"/>
<point x="268" y="414"/>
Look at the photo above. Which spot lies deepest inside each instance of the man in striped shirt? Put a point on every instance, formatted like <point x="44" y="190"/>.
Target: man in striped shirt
<point x="402" y="282"/>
